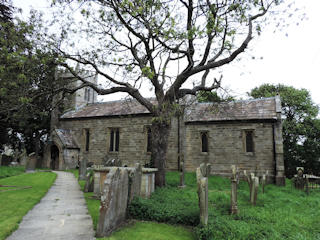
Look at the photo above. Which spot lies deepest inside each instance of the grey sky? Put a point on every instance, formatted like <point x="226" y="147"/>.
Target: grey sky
<point x="290" y="56"/>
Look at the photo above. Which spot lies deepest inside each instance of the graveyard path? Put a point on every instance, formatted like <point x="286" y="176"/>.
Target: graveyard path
<point x="61" y="214"/>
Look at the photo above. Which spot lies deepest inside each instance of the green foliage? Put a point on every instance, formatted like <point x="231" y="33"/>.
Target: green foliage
<point x="301" y="127"/>
<point x="281" y="213"/>
<point x="15" y="204"/>
<point x="10" y="171"/>
<point x="205" y="96"/>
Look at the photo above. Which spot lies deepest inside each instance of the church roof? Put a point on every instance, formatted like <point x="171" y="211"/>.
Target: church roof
<point x="66" y="138"/>
<point x="255" y="109"/>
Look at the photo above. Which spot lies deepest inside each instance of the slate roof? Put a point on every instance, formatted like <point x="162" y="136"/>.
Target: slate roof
<point x="257" y="109"/>
<point x="66" y="138"/>
<point x="104" y="109"/>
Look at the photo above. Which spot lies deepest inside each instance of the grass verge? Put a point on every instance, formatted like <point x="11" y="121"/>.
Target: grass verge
<point x="14" y="204"/>
<point x="6" y="171"/>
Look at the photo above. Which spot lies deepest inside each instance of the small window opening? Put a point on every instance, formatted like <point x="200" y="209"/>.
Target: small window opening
<point x="114" y="140"/>
<point x="249" y="141"/>
<point x="87" y="132"/>
<point x="204" y="142"/>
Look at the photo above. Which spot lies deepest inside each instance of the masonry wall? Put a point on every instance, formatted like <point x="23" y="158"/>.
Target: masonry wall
<point x="227" y="146"/>
<point x="133" y="139"/>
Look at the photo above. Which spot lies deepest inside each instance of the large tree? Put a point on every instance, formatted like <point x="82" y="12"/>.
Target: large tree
<point x="301" y="127"/>
<point x="171" y="47"/>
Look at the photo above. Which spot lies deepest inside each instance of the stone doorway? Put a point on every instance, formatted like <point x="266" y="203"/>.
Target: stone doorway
<point x="54" y="165"/>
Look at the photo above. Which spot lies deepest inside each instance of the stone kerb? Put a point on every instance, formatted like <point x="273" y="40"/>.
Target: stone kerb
<point x="113" y="201"/>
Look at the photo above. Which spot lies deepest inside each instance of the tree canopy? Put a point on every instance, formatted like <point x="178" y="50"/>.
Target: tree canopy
<point x="170" y="47"/>
<point x="301" y="126"/>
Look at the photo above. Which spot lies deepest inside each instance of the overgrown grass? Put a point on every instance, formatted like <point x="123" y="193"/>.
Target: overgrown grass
<point x="137" y="230"/>
<point x="6" y="171"/>
<point x="16" y="203"/>
<point x="151" y="230"/>
<point x="281" y="213"/>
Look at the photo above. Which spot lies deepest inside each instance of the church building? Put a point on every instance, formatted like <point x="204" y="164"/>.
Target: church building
<point x="245" y="133"/>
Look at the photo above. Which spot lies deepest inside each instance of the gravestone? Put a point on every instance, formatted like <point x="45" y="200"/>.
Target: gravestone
<point x="83" y="168"/>
<point x="135" y="182"/>
<point x="23" y="157"/>
<point x="182" y="169"/>
<point x="202" y="180"/>
<point x="0" y="159"/>
<point x="253" y="186"/>
<point x="113" y="201"/>
<point x="234" y="190"/>
<point x="31" y="162"/>
<point x="88" y="187"/>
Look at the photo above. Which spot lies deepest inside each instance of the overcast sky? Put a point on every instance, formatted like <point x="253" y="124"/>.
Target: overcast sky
<point x="290" y="56"/>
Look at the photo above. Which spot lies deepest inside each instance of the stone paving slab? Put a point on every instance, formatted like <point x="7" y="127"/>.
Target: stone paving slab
<point x="62" y="214"/>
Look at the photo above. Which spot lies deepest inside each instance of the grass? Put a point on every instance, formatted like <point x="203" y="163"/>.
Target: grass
<point x="15" y="204"/>
<point x="10" y="171"/>
<point x="141" y="230"/>
<point x="281" y="213"/>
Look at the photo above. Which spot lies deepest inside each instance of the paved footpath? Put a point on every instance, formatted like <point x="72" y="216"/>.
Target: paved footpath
<point x="61" y="214"/>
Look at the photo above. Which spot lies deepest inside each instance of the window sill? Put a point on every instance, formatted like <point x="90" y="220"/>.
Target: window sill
<point x="249" y="153"/>
<point x="204" y="153"/>
<point x="114" y="153"/>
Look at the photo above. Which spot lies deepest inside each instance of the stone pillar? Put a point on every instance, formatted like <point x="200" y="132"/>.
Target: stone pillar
<point x="234" y="190"/>
<point x="135" y="178"/>
<point x="113" y="201"/>
<point x="202" y="180"/>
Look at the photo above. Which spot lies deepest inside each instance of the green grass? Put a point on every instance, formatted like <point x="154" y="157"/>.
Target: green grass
<point x="151" y="230"/>
<point x="10" y="171"/>
<point x="281" y="213"/>
<point x="15" y="204"/>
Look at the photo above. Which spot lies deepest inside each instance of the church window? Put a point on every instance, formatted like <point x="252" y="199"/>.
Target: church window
<point x="87" y="139"/>
<point x="148" y="139"/>
<point x="249" y="141"/>
<point x="204" y="141"/>
<point x="114" y="140"/>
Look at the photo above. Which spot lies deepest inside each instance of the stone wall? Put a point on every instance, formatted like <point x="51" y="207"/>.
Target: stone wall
<point x="133" y="139"/>
<point x="226" y="143"/>
<point x="227" y="147"/>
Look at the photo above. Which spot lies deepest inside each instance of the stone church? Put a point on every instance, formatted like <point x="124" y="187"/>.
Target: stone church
<point x="245" y="133"/>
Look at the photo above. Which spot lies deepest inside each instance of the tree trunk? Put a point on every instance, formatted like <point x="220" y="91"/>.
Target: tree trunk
<point x="160" y="133"/>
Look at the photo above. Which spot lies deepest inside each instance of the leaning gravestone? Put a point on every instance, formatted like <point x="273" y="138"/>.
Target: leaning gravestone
<point x="202" y="179"/>
<point x="135" y="182"/>
<point x="31" y="162"/>
<point x="113" y="201"/>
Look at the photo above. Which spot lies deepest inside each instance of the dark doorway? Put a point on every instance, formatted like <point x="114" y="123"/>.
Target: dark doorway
<point x="54" y="165"/>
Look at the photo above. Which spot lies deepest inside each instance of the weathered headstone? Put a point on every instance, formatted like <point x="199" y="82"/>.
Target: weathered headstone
<point x="83" y="168"/>
<point x="31" y="163"/>
<point x="234" y="190"/>
<point x="23" y="157"/>
<point x="264" y="180"/>
<point x="113" y="202"/>
<point x="202" y="181"/>
<point x="88" y="187"/>
<point x="182" y="169"/>
<point x="299" y="180"/>
<point x="135" y="182"/>
<point x="253" y="187"/>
